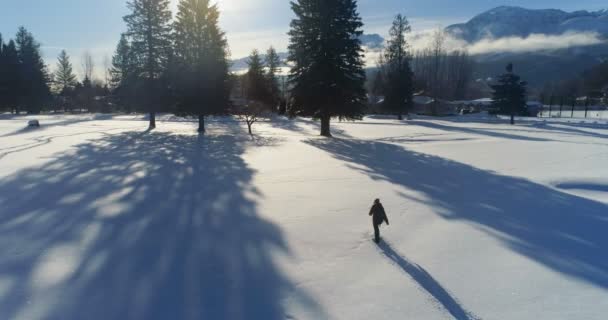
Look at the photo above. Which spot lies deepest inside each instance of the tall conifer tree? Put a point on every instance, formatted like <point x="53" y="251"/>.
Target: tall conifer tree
<point x="327" y="77"/>
<point x="124" y="76"/>
<point x="273" y="64"/>
<point x="10" y="77"/>
<point x="149" y="28"/>
<point x="258" y="89"/>
<point x="123" y="63"/>
<point x="201" y="59"/>
<point x="398" y="75"/>
<point x="64" y="75"/>
<point x="35" y="90"/>
<point x="510" y="94"/>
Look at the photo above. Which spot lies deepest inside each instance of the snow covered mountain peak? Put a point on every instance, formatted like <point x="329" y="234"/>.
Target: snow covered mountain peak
<point x="508" y="21"/>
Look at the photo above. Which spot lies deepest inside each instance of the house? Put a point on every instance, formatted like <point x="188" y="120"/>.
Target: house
<point x="425" y="105"/>
<point x="534" y="108"/>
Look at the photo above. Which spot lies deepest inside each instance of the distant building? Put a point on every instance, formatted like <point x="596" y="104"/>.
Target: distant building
<point x="425" y="105"/>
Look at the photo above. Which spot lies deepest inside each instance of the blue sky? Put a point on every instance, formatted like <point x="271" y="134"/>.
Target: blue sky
<point x="95" y="25"/>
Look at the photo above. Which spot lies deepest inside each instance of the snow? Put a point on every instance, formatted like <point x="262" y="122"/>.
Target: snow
<point x="100" y="219"/>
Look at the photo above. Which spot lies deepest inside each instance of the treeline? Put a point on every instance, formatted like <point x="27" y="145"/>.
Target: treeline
<point x="441" y="73"/>
<point x="24" y="78"/>
<point x="180" y="65"/>
<point x="588" y="88"/>
<point x="433" y="71"/>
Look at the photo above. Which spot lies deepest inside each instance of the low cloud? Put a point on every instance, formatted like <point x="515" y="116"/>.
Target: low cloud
<point x="532" y="43"/>
<point x="535" y="42"/>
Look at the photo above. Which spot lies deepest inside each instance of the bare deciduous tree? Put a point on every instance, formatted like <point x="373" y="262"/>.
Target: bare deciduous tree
<point x="442" y="74"/>
<point x="88" y="65"/>
<point x="107" y="66"/>
<point x="252" y="113"/>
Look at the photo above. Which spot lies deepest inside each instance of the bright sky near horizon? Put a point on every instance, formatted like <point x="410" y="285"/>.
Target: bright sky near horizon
<point x="95" y="26"/>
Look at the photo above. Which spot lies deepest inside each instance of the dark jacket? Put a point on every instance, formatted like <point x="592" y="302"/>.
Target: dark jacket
<point x="379" y="214"/>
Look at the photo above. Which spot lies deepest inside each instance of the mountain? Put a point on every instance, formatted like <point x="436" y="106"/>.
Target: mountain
<point x="542" y="64"/>
<point x="240" y="65"/>
<point x="507" y="21"/>
<point x="370" y="41"/>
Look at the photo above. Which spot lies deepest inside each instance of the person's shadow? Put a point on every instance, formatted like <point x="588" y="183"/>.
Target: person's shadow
<point x="428" y="283"/>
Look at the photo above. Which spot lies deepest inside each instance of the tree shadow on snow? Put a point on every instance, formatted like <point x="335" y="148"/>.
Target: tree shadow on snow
<point x="571" y="129"/>
<point x="583" y="186"/>
<point x="564" y="232"/>
<point x="428" y="283"/>
<point x="476" y="131"/>
<point x="141" y="226"/>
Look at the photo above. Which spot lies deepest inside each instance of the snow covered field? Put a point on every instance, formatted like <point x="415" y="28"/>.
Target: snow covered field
<point x="100" y="219"/>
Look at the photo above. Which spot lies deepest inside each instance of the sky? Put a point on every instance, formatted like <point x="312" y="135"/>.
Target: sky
<point x="95" y="26"/>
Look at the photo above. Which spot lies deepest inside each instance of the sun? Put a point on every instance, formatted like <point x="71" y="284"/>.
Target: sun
<point x="224" y="5"/>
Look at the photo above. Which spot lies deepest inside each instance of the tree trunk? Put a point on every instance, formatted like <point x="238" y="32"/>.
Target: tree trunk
<point x="152" y="121"/>
<point x="201" y="124"/>
<point x="573" y="106"/>
<point x="249" y="125"/>
<point x="400" y="116"/>
<point x="325" y="126"/>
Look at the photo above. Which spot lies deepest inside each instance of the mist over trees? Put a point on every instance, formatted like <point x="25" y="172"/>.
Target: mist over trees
<point x="441" y="73"/>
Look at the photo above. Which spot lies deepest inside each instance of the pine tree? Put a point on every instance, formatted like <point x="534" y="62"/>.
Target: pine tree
<point x="149" y="28"/>
<point x="258" y="89"/>
<point x="123" y="64"/>
<point x="35" y="89"/>
<point x="64" y="75"/>
<point x="10" y="77"/>
<point x="3" y="76"/>
<point x="510" y="94"/>
<point x="201" y="59"/>
<point x="273" y="64"/>
<point x="327" y="76"/>
<point x="399" y="78"/>
<point x="124" y="77"/>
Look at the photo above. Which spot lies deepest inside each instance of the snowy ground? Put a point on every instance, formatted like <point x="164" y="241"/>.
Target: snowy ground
<point x="100" y="219"/>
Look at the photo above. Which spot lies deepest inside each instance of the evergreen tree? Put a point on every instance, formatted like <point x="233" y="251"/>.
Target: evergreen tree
<point x="35" y="90"/>
<point x="123" y="63"/>
<point x="273" y="63"/>
<point x="3" y="76"/>
<point x="510" y="94"/>
<point x="86" y="94"/>
<point x="149" y="28"/>
<point x="10" y="77"/>
<point x="327" y="76"/>
<point x="124" y="77"/>
<point x="64" y="75"/>
<point x="399" y="78"/>
<point x="201" y="61"/>
<point x="258" y="89"/>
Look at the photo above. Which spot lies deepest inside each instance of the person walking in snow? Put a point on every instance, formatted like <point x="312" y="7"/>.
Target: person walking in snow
<point x="378" y="218"/>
